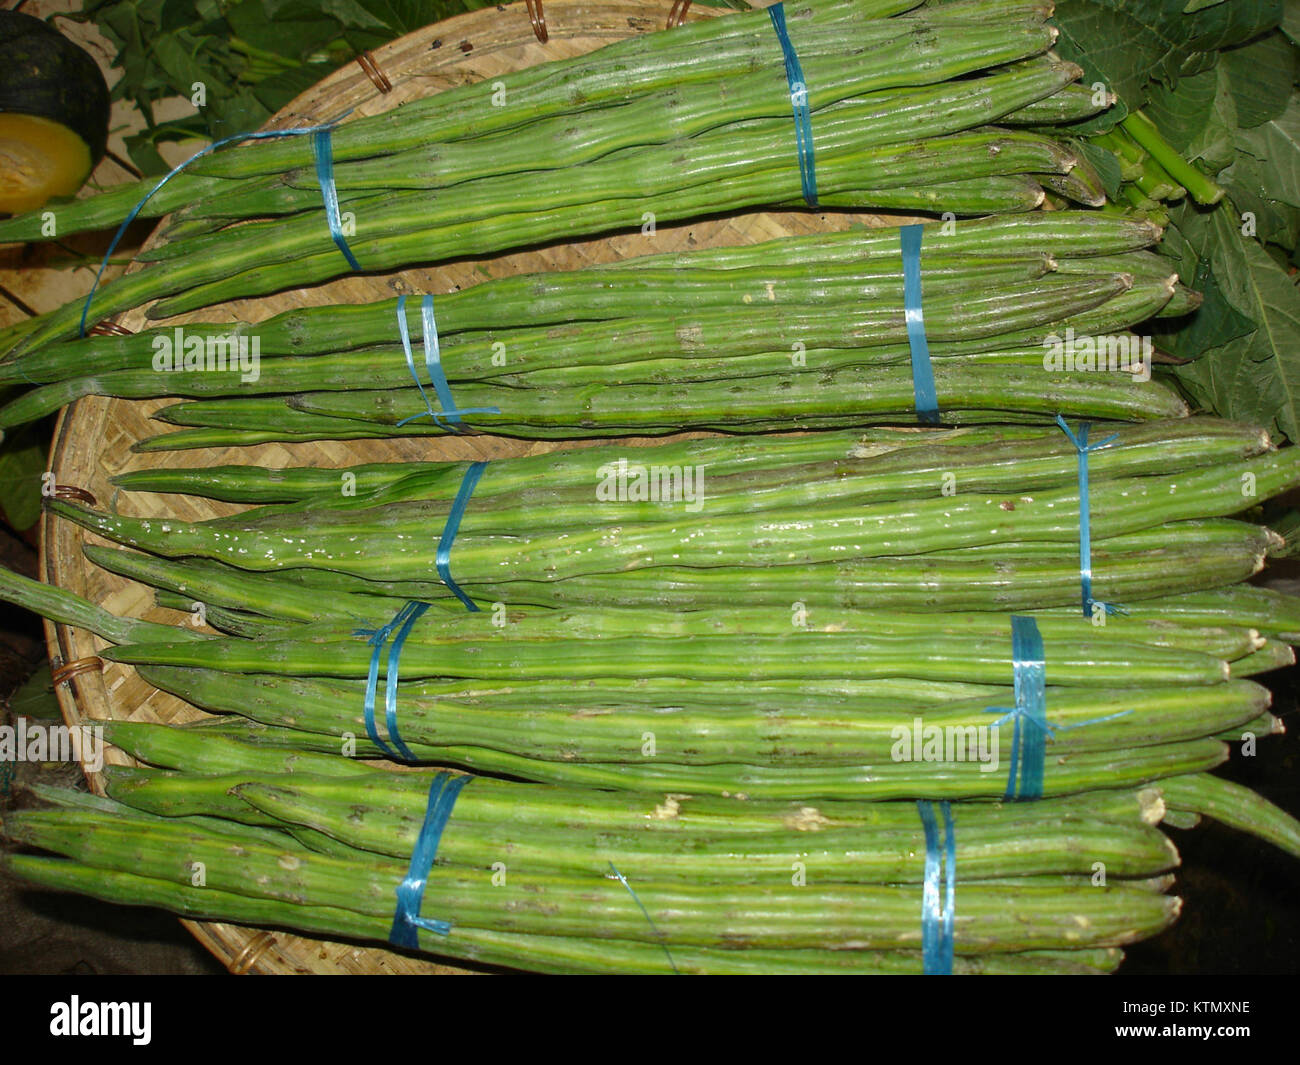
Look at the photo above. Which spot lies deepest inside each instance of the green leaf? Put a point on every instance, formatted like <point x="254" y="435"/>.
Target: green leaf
<point x="1104" y="161"/>
<point x="36" y="698"/>
<point x="22" y="461"/>
<point x="235" y="113"/>
<point x="254" y="56"/>
<point x="354" y="14"/>
<point x="1197" y="117"/>
<point x="403" y="16"/>
<point x="1276" y="145"/>
<point x="1216" y="322"/>
<point x="1275" y="223"/>
<point x="293" y="32"/>
<point x="1291" y="22"/>
<point x="178" y="15"/>
<point x="1253" y="378"/>
<point x="1249" y="186"/>
<point x="1110" y="48"/>
<point x="144" y="154"/>
<point x="175" y="56"/>
<point x="1127" y="45"/>
<point x="276" y="91"/>
<point x="1222" y="26"/>
<point x="1260" y="76"/>
<point x="1197" y="5"/>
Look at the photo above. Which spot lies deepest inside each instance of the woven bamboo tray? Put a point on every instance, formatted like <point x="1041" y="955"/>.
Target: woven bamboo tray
<point x="93" y="437"/>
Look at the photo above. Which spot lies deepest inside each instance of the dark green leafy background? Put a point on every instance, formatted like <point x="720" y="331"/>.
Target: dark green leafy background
<point x="22" y="461"/>
<point x="1131" y="46"/>
<point x="1218" y="79"/>
<point x="1245" y="337"/>
<point x="253" y="56"/>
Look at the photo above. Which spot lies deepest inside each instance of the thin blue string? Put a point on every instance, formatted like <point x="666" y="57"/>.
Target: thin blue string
<point x="798" y="104"/>
<point x="927" y="399"/>
<point x="322" y="147"/>
<point x="443" y="791"/>
<point x="616" y="875"/>
<point x="298" y="131"/>
<point x="433" y="366"/>
<point x="937" y="922"/>
<point x="443" y="558"/>
<point x="1081" y="445"/>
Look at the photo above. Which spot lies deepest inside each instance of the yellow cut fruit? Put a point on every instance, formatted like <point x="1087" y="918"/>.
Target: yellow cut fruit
<point x="39" y="159"/>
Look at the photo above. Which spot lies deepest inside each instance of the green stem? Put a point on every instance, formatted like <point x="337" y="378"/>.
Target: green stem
<point x="1203" y="190"/>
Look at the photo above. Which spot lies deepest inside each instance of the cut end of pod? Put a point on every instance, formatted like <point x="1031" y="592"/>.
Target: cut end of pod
<point x="1151" y="805"/>
<point x="1175" y="859"/>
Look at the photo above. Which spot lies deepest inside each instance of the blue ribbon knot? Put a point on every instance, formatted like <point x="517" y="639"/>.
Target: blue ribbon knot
<point x="267" y="134"/>
<point x="1028" y="743"/>
<point x="404" y="620"/>
<point x="1029" y="715"/>
<point x="407" y="922"/>
<point x="433" y="367"/>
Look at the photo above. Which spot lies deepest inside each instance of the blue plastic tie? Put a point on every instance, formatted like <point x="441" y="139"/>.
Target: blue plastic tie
<point x="443" y="558"/>
<point x="615" y="874"/>
<point x="299" y="131"/>
<point x="798" y="104"/>
<point x="322" y="147"/>
<point x="407" y="921"/>
<point x="433" y="367"/>
<point x="937" y="922"/>
<point x="1028" y="743"/>
<point x="414" y="611"/>
<point x="927" y="398"/>
<point x="1029" y="716"/>
<point x="1029" y="667"/>
<point x="433" y="360"/>
<point x="378" y="638"/>
<point x="404" y="620"/>
<point x="1081" y="445"/>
